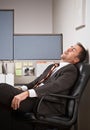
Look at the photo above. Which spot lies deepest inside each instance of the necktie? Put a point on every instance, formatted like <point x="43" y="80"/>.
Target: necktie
<point x="48" y="75"/>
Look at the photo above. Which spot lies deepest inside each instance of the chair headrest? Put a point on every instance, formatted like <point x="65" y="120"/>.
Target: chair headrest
<point x="79" y="86"/>
<point x="83" y="77"/>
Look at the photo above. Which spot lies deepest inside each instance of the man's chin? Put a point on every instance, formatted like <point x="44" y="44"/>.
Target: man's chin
<point x="63" y="55"/>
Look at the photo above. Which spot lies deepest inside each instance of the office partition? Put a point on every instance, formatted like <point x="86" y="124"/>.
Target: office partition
<point x="38" y="47"/>
<point x="6" y="34"/>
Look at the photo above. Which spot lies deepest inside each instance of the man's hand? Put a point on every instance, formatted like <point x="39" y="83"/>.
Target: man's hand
<point x="17" y="99"/>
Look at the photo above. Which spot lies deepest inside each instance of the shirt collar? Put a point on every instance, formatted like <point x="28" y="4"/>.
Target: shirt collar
<point x="62" y="64"/>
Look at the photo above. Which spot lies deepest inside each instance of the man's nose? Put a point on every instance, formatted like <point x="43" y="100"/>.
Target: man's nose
<point x="69" y="49"/>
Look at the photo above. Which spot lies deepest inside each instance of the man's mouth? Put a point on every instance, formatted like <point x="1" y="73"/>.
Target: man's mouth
<point x="66" y="52"/>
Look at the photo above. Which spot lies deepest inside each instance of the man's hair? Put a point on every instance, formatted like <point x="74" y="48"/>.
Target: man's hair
<point x="83" y="55"/>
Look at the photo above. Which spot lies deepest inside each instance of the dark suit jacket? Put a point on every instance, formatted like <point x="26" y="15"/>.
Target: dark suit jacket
<point x="60" y="83"/>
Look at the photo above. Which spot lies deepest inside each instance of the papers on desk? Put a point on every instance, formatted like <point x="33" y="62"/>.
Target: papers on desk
<point x="24" y="68"/>
<point x="7" y="78"/>
<point x="41" y="66"/>
<point x="7" y="72"/>
<point x="10" y="79"/>
<point x="0" y="68"/>
<point x="18" y="65"/>
<point x="18" y="68"/>
<point x="2" y="78"/>
<point x="10" y="68"/>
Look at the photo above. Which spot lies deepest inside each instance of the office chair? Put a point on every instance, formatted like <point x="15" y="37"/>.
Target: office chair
<point x="70" y="119"/>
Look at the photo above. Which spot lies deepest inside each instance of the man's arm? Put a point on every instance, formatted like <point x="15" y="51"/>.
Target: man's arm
<point x="15" y="104"/>
<point x="27" y="93"/>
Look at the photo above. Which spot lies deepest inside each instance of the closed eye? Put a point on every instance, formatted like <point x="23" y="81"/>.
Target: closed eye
<point x="73" y="49"/>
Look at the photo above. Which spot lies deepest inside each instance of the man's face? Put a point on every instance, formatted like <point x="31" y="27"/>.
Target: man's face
<point x="70" y="55"/>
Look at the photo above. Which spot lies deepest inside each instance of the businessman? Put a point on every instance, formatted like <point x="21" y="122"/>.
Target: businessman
<point x="59" y="81"/>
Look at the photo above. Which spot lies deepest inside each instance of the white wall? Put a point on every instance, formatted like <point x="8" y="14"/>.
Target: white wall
<point x="64" y="22"/>
<point x="30" y="16"/>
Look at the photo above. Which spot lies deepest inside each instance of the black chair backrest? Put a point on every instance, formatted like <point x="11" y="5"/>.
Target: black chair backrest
<point x="78" y="88"/>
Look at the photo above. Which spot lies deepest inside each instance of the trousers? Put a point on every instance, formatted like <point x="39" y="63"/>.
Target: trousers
<point x="7" y="92"/>
<point x="7" y="121"/>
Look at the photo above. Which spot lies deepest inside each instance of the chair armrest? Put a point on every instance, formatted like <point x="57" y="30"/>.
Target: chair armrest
<point x="64" y="96"/>
<point x="55" y="99"/>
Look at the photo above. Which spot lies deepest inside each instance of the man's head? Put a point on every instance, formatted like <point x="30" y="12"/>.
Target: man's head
<point x="74" y="54"/>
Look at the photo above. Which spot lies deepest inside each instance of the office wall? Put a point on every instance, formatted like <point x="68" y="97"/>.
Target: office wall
<point x="30" y="16"/>
<point x="65" y="21"/>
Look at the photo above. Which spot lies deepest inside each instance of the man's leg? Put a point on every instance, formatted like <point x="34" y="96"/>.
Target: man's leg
<point x="5" y="118"/>
<point x="10" y="122"/>
<point x="7" y="92"/>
